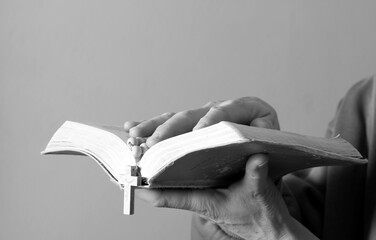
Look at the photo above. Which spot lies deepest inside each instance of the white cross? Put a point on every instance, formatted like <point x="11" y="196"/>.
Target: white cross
<point x="130" y="182"/>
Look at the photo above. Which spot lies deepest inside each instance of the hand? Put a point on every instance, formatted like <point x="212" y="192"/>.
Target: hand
<point x="247" y="110"/>
<point x="251" y="208"/>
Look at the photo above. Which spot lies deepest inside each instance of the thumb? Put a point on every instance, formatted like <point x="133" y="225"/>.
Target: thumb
<point x="256" y="173"/>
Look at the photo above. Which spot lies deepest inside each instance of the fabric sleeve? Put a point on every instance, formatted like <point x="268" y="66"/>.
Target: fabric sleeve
<point x="333" y="202"/>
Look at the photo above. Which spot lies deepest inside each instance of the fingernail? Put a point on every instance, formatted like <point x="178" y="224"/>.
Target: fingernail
<point x="132" y="131"/>
<point x="261" y="159"/>
<point x="125" y="126"/>
<point x="262" y="164"/>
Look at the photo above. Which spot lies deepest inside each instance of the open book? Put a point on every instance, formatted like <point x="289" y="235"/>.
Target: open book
<point x="214" y="156"/>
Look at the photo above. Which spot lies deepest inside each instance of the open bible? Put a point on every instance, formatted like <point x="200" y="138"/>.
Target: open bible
<point x="214" y="156"/>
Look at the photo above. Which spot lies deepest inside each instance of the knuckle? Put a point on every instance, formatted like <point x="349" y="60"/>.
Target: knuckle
<point x="185" y="115"/>
<point x="218" y="108"/>
<point x="157" y="135"/>
<point x="221" y="111"/>
<point x="168" y="114"/>
<point x="227" y="103"/>
<point x="244" y="100"/>
<point x="213" y="103"/>
<point x="152" y="121"/>
<point x="250" y="100"/>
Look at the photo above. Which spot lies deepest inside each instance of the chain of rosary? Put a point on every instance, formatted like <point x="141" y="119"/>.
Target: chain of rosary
<point x="138" y="147"/>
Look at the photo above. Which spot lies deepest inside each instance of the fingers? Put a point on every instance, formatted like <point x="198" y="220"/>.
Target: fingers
<point x="201" y="201"/>
<point x="256" y="173"/>
<point x="243" y="111"/>
<point x="180" y="123"/>
<point x="130" y="124"/>
<point x="213" y="103"/>
<point x="208" y="202"/>
<point x="146" y="128"/>
<point x="248" y="110"/>
<point x="215" y="115"/>
<point x="166" y="125"/>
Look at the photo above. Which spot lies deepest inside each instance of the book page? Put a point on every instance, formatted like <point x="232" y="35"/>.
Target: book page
<point x="108" y="149"/>
<point x="216" y="155"/>
<point x="336" y="145"/>
<point x="165" y="152"/>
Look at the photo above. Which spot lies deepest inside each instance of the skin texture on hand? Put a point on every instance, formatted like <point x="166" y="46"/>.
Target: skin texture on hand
<point x="251" y="208"/>
<point x="248" y="209"/>
<point x="247" y="110"/>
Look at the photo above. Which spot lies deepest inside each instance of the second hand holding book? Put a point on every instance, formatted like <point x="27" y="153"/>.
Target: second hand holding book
<point x="214" y="156"/>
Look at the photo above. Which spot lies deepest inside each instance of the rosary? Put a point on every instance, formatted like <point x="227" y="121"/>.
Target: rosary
<point x="132" y="178"/>
<point x="138" y="147"/>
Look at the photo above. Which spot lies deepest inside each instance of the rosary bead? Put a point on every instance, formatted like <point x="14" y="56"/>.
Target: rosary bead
<point x="136" y="151"/>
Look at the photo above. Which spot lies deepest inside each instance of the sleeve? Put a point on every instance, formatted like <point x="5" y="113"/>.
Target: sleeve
<point x="330" y="201"/>
<point x="334" y="202"/>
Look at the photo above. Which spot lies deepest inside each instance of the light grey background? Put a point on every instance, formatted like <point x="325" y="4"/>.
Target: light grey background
<point x="109" y="61"/>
